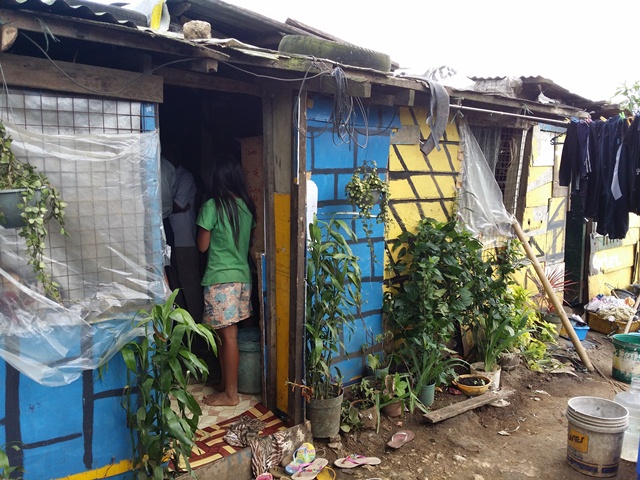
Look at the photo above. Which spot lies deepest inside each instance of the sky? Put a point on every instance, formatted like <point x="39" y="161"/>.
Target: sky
<point x="589" y="48"/>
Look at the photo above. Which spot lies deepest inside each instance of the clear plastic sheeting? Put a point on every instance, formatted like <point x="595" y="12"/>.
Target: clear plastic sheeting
<point x="481" y="209"/>
<point x="108" y="267"/>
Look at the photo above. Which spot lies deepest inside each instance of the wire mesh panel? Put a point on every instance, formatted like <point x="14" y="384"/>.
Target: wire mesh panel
<point x="107" y="177"/>
<point x="503" y="147"/>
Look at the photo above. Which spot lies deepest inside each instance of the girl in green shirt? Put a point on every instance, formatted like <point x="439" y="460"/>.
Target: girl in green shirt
<point x="224" y="224"/>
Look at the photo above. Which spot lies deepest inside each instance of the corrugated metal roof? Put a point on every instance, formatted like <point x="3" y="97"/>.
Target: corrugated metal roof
<point x="80" y="9"/>
<point x="533" y="86"/>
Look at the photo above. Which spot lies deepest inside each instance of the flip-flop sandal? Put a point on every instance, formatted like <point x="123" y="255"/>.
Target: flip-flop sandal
<point x="401" y="437"/>
<point x="355" y="460"/>
<point x="327" y="473"/>
<point x="279" y="472"/>
<point x="302" y="457"/>
<point x="264" y="476"/>
<point x="312" y="470"/>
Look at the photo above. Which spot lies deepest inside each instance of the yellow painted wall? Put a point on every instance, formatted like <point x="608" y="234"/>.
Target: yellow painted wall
<point x="282" y="203"/>
<point x="421" y="185"/>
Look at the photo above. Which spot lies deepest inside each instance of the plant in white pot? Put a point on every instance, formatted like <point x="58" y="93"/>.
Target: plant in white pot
<point x="32" y="202"/>
<point x="333" y="292"/>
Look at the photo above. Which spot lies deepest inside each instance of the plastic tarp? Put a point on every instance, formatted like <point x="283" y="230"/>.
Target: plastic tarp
<point x="481" y="209"/>
<point x="108" y="267"/>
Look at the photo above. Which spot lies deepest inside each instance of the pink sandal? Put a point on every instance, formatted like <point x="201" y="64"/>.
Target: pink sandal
<point x="312" y="470"/>
<point x="355" y="460"/>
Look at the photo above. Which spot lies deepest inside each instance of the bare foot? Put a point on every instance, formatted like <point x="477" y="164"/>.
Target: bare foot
<point x="221" y="400"/>
<point x="218" y="387"/>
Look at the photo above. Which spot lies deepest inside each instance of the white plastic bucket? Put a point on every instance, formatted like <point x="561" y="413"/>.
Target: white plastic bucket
<point x="596" y="430"/>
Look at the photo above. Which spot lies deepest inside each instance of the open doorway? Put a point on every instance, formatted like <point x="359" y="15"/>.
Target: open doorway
<point x="200" y="125"/>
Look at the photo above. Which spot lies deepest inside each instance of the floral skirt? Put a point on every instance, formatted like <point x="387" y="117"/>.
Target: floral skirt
<point x="226" y="304"/>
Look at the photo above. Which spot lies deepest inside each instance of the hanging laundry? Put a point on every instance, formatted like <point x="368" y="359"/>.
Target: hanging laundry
<point x="601" y="162"/>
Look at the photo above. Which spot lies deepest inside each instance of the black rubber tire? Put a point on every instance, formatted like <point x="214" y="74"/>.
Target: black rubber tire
<point x="345" y="54"/>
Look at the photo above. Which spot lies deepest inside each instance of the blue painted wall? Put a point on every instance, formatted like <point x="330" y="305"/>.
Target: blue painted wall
<point x="81" y="426"/>
<point x="331" y="159"/>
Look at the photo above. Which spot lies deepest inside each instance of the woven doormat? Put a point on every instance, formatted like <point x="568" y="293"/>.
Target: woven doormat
<point x="210" y="445"/>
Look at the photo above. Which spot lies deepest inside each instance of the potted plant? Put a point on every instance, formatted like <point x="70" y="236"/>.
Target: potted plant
<point x="558" y="281"/>
<point x="435" y="269"/>
<point x="158" y="369"/>
<point x="28" y="201"/>
<point x="333" y="293"/>
<point x="365" y="190"/>
<point x="360" y="408"/>
<point x="396" y="389"/>
<point x="498" y="320"/>
<point x="431" y="365"/>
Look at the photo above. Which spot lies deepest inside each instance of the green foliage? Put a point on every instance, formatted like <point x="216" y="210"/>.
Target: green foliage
<point x="443" y="278"/>
<point x="533" y="344"/>
<point x="6" y="470"/>
<point x="40" y="202"/>
<point x="431" y="363"/>
<point x="360" y="396"/>
<point x="436" y="270"/>
<point x="631" y="95"/>
<point x="396" y="387"/>
<point x="333" y="284"/>
<point x="366" y="189"/>
<point x="158" y="368"/>
<point x="498" y="319"/>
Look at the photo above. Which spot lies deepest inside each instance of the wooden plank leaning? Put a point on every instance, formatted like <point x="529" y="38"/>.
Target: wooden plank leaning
<point x="553" y="298"/>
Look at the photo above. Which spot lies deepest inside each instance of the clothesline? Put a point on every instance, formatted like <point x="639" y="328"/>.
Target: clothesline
<point x="508" y="114"/>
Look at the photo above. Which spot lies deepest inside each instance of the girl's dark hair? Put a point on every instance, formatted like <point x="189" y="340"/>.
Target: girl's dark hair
<point x="224" y="184"/>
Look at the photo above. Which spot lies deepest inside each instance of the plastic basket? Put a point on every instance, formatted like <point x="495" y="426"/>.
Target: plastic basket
<point x="603" y="325"/>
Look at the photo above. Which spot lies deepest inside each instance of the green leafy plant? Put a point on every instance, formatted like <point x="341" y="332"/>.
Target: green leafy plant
<point x="360" y="396"/>
<point x="159" y="367"/>
<point x="333" y="294"/>
<point x="558" y="281"/>
<point x="432" y="363"/>
<point x="365" y="190"/>
<point x="435" y="271"/>
<point x="378" y="362"/>
<point x="498" y="320"/>
<point x="630" y="96"/>
<point x="40" y="202"/>
<point x="6" y="470"/>
<point x="396" y="387"/>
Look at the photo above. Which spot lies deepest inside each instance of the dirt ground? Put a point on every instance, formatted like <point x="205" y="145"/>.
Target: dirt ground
<point x="470" y="447"/>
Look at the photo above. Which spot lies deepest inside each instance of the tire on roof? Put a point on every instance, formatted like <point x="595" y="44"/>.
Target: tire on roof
<point x="345" y="54"/>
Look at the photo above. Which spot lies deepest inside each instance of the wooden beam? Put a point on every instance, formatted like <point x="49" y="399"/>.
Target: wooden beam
<point x="355" y="87"/>
<point x="32" y="72"/>
<point x="455" y="409"/>
<point x="405" y="98"/>
<point x="107" y="33"/>
<point x="185" y="78"/>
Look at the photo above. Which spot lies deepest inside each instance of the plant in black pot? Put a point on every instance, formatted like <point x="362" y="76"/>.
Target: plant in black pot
<point x="28" y="201"/>
<point x="333" y="292"/>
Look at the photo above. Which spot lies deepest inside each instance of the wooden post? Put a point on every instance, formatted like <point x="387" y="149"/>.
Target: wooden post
<point x="554" y="299"/>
